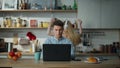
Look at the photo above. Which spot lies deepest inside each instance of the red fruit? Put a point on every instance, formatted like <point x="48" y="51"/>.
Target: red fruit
<point x="19" y="54"/>
<point x="16" y="55"/>
<point x="15" y="58"/>
<point x="11" y="54"/>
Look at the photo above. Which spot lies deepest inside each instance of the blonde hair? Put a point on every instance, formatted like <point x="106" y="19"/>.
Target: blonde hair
<point x="73" y="36"/>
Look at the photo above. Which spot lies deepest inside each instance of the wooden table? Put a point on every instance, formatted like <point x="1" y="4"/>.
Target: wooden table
<point x="30" y="63"/>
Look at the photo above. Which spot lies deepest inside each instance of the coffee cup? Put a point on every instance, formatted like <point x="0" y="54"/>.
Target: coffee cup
<point x="37" y="55"/>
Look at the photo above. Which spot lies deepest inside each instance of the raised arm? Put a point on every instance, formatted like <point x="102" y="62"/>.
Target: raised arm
<point x="80" y="24"/>
<point x="49" y="29"/>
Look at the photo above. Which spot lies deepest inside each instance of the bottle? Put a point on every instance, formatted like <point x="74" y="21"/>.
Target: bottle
<point x="9" y="22"/>
<point x="24" y="23"/>
<point x="19" y="22"/>
<point x="102" y="48"/>
<point x="5" y="23"/>
<point x="14" y="23"/>
<point x="41" y="24"/>
<point x="56" y="4"/>
<point x="64" y="7"/>
<point x="114" y="47"/>
<point x="23" y="5"/>
<point x="75" y="5"/>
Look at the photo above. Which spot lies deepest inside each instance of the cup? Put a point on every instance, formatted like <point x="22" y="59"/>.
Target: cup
<point x="37" y="55"/>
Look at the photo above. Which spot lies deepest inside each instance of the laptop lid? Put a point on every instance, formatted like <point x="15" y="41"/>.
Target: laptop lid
<point x="56" y="52"/>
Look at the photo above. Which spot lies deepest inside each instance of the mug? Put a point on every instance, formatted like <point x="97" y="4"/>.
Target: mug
<point x="37" y="55"/>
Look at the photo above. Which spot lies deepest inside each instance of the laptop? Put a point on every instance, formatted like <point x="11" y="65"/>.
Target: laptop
<point x="56" y="52"/>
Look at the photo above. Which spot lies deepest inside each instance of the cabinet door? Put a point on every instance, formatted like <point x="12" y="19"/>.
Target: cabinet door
<point x="89" y="12"/>
<point x="110" y="13"/>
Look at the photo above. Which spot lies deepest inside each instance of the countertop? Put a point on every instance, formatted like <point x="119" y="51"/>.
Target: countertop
<point x="30" y="63"/>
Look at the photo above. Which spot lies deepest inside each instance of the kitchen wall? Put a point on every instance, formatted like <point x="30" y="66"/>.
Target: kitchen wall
<point x="104" y="37"/>
<point x="98" y="36"/>
<point x="103" y="16"/>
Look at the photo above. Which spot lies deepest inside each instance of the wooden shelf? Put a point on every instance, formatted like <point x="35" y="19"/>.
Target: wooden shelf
<point x="38" y="10"/>
<point x="46" y="28"/>
<point x="23" y="28"/>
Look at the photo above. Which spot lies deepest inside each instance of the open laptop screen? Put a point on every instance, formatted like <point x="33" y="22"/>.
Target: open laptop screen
<point x="56" y="52"/>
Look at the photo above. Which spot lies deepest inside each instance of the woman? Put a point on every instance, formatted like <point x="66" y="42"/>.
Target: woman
<point x="69" y="31"/>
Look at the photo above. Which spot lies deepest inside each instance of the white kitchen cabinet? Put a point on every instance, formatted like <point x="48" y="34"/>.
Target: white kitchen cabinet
<point x="99" y="13"/>
<point x="89" y="12"/>
<point x="110" y="13"/>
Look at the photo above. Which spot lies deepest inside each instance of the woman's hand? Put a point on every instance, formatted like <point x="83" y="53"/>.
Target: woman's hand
<point x="79" y="21"/>
<point x="52" y="21"/>
<point x="80" y="25"/>
<point x="49" y="30"/>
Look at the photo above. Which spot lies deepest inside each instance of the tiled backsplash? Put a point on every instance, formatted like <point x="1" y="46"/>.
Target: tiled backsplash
<point x="108" y="37"/>
<point x="97" y="37"/>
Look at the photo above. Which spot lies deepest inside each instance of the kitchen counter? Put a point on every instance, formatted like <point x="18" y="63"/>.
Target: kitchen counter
<point x="30" y="63"/>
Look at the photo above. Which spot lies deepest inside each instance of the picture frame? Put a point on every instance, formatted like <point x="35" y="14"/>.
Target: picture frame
<point x="9" y="5"/>
<point x="33" y="23"/>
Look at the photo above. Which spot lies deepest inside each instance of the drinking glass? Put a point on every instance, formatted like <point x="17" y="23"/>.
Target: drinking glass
<point x="37" y="55"/>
